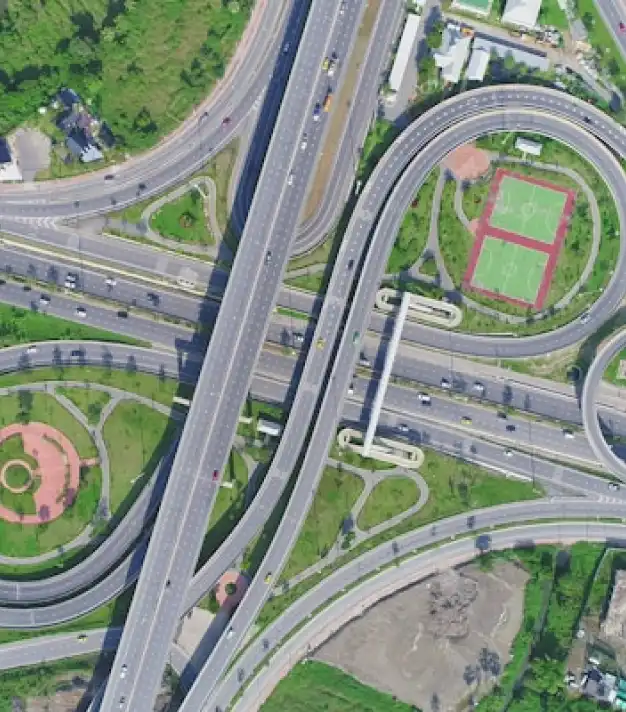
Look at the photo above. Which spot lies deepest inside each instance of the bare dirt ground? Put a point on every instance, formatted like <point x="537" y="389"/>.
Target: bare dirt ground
<point x="439" y="642"/>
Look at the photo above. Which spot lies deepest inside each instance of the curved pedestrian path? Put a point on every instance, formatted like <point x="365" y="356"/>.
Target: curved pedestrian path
<point x="117" y="395"/>
<point x="370" y="481"/>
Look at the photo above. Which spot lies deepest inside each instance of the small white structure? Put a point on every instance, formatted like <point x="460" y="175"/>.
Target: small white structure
<point x="527" y="146"/>
<point x="269" y="427"/>
<point x="9" y="170"/>
<point x="521" y="13"/>
<point x="405" y="50"/>
<point x="452" y="54"/>
<point x="477" y="67"/>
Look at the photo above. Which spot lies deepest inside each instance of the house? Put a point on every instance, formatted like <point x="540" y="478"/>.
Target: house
<point x="68" y="98"/>
<point x="9" y="170"/>
<point x="477" y="67"/>
<point x="82" y="147"/>
<point x="269" y="427"/>
<point x="452" y="55"/>
<point x="598" y="686"/>
<point x="521" y="13"/>
<point x="525" y="145"/>
<point x="531" y="58"/>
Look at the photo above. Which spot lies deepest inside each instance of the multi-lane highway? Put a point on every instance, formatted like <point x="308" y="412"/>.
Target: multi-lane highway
<point x="236" y="341"/>
<point x="244" y="318"/>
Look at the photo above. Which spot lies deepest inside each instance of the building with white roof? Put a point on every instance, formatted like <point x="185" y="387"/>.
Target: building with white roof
<point x="452" y="54"/>
<point x="521" y="13"/>
<point x="405" y="50"/>
<point x="477" y="67"/>
<point x="525" y="145"/>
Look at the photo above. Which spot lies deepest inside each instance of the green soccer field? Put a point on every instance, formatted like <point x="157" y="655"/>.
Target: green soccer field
<point x="509" y="269"/>
<point x="528" y="209"/>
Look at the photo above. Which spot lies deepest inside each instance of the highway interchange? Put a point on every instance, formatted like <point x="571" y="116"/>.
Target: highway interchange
<point x="185" y="488"/>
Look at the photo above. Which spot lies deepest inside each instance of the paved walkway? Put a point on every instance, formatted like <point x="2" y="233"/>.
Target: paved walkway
<point x="370" y="480"/>
<point x="116" y="396"/>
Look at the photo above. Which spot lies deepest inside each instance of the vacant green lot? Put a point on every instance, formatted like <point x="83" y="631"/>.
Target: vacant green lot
<point x="390" y="497"/>
<point x="142" y="64"/>
<point x="316" y="687"/>
<point x="18" y="326"/>
<point x="89" y="401"/>
<point x="336" y="494"/>
<point x="184" y="220"/>
<point x="136" y="438"/>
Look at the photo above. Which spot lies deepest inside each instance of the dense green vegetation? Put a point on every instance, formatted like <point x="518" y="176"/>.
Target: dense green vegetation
<point x="555" y="599"/>
<point x="413" y="234"/>
<point x="316" y="687"/>
<point x="142" y="64"/>
<point x="18" y="326"/>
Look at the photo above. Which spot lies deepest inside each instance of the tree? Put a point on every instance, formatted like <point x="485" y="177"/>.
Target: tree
<point x="433" y="38"/>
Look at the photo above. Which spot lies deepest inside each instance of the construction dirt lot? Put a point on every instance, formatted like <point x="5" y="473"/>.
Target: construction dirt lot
<point x="437" y="643"/>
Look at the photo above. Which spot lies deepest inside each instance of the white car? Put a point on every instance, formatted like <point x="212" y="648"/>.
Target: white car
<point x="70" y="284"/>
<point x="290" y="179"/>
<point x="31" y="350"/>
<point x="508" y="453"/>
<point x="81" y="312"/>
<point x="110" y="282"/>
<point x="304" y="142"/>
<point x="423" y="398"/>
<point x="478" y="387"/>
<point x="230" y="633"/>
<point x="568" y="434"/>
<point x="44" y="300"/>
<point x="445" y="384"/>
<point x="403" y="428"/>
<point x="124" y="671"/>
<point x="351" y="389"/>
<point x="298" y="338"/>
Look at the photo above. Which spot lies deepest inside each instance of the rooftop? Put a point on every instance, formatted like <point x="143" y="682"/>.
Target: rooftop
<point x="614" y="624"/>
<point x="477" y="67"/>
<point x="452" y="54"/>
<point x="522" y="55"/>
<point x="521" y="13"/>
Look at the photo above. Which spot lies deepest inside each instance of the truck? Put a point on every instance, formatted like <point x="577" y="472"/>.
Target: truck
<point x="328" y="101"/>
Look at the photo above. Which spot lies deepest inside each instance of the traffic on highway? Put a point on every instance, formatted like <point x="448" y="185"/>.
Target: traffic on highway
<point x="238" y="325"/>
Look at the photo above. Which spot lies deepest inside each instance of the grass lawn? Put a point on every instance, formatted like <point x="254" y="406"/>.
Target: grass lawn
<point x="390" y="497"/>
<point x="336" y="494"/>
<point x="30" y="540"/>
<point x="136" y="438"/>
<point x="184" y="220"/>
<point x="455" y="487"/>
<point x="551" y="14"/>
<point x="365" y="463"/>
<point x="90" y="402"/>
<point x="454" y="240"/>
<point x="19" y="326"/>
<point x="316" y="687"/>
<point x="308" y="282"/>
<point x="229" y="506"/>
<point x="16" y="476"/>
<point x="159" y="389"/>
<point x="27" y="406"/>
<point x="413" y="234"/>
<point x="142" y="65"/>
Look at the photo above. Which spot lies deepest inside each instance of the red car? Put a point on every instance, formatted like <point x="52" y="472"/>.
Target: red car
<point x="622" y="27"/>
<point x="216" y="475"/>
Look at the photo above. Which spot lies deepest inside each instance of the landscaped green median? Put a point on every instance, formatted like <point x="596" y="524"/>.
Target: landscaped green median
<point x="19" y="326"/>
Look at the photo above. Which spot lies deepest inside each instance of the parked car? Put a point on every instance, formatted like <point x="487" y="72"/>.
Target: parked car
<point x="81" y="312"/>
<point x="423" y="398"/>
<point x="445" y="384"/>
